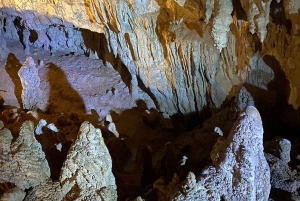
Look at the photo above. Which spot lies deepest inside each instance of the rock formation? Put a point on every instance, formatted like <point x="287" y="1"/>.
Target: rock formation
<point x="200" y="64"/>
<point x="240" y="170"/>
<point x="30" y="82"/>
<point x="47" y="191"/>
<point x="23" y="162"/>
<point x="86" y="173"/>
<point x="172" y="47"/>
<point x="283" y="177"/>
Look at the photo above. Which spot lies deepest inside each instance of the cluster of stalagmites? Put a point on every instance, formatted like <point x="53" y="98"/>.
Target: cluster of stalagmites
<point x="86" y="173"/>
<point x="239" y="169"/>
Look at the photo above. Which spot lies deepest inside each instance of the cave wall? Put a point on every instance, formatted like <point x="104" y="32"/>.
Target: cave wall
<point x="190" y="54"/>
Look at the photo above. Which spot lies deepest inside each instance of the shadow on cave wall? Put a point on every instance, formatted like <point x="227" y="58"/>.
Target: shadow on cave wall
<point x="12" y="67"/>
<point x="278" y="16"/>
<point x="63" y="102"/>
<point x="62" y="97"/>
<point x="101" y="49"/>
<point x="279" y="118"/>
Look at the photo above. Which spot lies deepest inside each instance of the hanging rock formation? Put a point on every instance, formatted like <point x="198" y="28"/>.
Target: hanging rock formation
<point x="173" y="47"/>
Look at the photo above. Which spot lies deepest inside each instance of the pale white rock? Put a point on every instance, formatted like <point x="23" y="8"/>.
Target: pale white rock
<point x="218" y="131"/>
<point x="257" y="12"/>
<point x="108" y="118"/>
<point x="52" y="127"/>
<point x="39" y="127"/>
<point x="291" y="6"/>
<point x="30" y="81"/>
<point x="209" y="9"/>
<point x="34" y="113"/>
<point x="87" y="171"/>
<point x="180" y="2"/>
<point x="58" y="146"/>
<point x="22" y="162"/>
<point x="1" y="124"/>
<point x="282" y="175"/>
<point x="221" y="23"/>
<point x="112" y="128"/>
<point x="240" y="170"/>
<point x="48" y="191"/>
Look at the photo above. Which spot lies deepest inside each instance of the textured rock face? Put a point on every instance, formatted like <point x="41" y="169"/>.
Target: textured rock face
<point x="47" y="191"/>
<point x="240" y="170"/>
<point x="282" y="175"/>
<point x="173" y="46"/>
<point x="13" y="194"/>
<point x="23" y="162"/>
<point x="86" y="173"/>
<point x="31" y="84"/>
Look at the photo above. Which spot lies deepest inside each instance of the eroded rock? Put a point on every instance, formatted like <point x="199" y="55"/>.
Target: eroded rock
<point x="23" y="162"/>
<point x="86" y="173"/>
<point x="283" y="177"/>
<point x="30" y="80"/>
<point x="240" y="170"/>
<point x="47" y="191"/>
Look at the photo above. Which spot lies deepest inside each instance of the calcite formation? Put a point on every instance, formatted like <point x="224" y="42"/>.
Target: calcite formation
<point x="31" y="84"/>
<point x="282" y="175"/>
<point x="23" y="162"/>
<point x="240" y="170"/>
<point x="181" y="58"/>
<point x="86" y="173"/>
<point x="172" y="47"/>
<point x="47" y="191"/>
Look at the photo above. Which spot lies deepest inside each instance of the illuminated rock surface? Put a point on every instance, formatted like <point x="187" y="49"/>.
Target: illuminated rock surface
<point x="86" y="173"/>
<point x="173" y="75"/>
<point x="23" y="162"/>
<point x="239" y="171"/>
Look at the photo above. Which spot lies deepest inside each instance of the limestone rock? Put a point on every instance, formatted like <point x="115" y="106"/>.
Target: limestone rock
<point x="112" y="128"/>
<point x="221" y="23"/>
<point x="87" y="172"/>
<point x="23" y="162"/>
<point x="13" y="194"/>
<point x="258" y="16"/>
<point x="292" y="6"/>
<point x="30" y="82"/>
<point x="240" y="170"/>
<point x="47" y="191"/>
<point x="278" y="157"/>
<point x="240" y="102"/>
<point x="39" y="127"/>
<point x="52" y="127"/>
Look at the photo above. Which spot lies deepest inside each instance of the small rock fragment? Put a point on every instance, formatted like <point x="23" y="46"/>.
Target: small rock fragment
<point x="39" y="127"/>
<point x="52" y="127"/>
